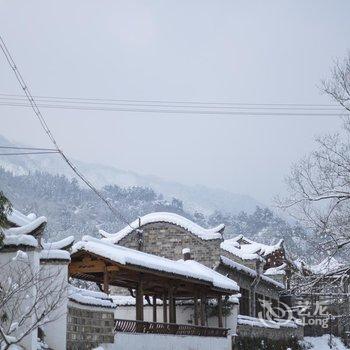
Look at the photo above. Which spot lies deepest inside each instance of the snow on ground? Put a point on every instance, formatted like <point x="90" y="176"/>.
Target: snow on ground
<point x="322" y="343"/>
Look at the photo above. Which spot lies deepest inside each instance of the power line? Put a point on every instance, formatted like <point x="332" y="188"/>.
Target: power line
<point x="178" y="111"/>
<point x="26" y="153"/>
<point x="175" y="101"/>
<point x="29" y="148"/>
<point x="43" y="123"/>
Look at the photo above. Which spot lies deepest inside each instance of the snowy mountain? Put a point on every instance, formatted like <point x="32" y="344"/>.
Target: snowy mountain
<point x="195" y="198"/>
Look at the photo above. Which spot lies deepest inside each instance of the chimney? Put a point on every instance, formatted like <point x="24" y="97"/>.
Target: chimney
<point x="186" y="252"/>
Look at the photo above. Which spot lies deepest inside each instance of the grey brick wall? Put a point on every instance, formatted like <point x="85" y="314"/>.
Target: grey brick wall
<point x="168" y="240"/>
<point x="87" y="329"/>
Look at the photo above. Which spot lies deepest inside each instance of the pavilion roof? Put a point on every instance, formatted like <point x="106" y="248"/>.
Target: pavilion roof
<point x="188" y="271"/>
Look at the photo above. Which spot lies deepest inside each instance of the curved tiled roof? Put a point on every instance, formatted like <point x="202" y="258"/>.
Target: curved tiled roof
<point x="175" y="219"/>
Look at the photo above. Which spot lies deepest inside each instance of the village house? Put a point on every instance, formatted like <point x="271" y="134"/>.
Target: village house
<point x="63" y="316"/>
<point x="261" y="271"/>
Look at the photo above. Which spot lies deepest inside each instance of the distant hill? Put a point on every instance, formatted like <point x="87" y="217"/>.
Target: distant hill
<point x="195" y="198"/>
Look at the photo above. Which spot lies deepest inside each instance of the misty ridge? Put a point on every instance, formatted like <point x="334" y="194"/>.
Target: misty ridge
<point x="72" y="209"/>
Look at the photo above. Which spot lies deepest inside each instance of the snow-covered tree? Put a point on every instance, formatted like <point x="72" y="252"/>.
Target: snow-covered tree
<point x="319" y="184"/>
<point x="29" y="298"/>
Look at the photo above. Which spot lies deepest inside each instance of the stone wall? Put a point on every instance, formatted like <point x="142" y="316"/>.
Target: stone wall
<point x="168" y="240"/>
<point x="89" y="326"/>
<point x="283" y="333"/>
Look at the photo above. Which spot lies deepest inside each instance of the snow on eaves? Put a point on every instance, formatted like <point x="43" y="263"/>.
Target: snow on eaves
<point x="62" y="244"/>
<point x="54" y="254"/>
<point x="239" y="267"/>
<point x="127" y="256"/>
<point x="19" y="219"/>
<point x="26" y="229"/>
<point x="88" y="297"/>
<point x="252" y="247"/>
<point x="20" y="240"/>
<point x="203" y="233"/>
<point x="231" y="246"/>
<point x="278" y="270"/>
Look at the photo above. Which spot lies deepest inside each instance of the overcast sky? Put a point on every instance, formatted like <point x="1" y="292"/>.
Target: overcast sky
<point x="229" y="51"/>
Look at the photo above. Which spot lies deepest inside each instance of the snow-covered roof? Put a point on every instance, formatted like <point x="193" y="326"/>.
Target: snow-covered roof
<point x="175" y="219"/>
<point x="24" y="225"/>
<point x="232" y="264"/>
<point x="327" y="265"/>
<point x="247" y="249"/>
<point x="127" y="256"/>
<point x="89" y="297"/>
<point x="277" y="270"/>
<point x="62" y="244"/>
<point x="231" y="246"/>
<point x="54" y="254"/>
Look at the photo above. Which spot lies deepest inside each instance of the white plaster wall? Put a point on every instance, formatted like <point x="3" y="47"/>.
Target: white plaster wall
<point x="183" y="313"/>
<point x="56" y="331"/>
<point x="123" y="341"/>
<point x="10" y="267"/>
<point x="229" y="321"/>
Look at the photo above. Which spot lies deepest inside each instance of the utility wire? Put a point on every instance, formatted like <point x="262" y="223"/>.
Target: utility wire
<point x="178" y="111"/>
<point x="43" y="123"/>
<point x="80" y="101"/>
<point x="29" y="148"/>
<point x="175" y="101"/>
<point x="26" y="153"/>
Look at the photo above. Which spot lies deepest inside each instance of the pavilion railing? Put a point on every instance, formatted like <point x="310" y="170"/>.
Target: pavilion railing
<point x="132" y="326"/>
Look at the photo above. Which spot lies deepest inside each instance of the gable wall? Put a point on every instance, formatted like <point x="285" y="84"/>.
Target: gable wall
<point x="168" y="240"/>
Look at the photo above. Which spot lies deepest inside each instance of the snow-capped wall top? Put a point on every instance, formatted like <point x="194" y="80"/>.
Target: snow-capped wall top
<point x="89" y="297"/>
<point x="248" y="249"/>
<point x="25" y="225"/>
<point x="127" y="256"/>
<point x="326" y="266"/>
<point x="62" y="244"/>
<point x="19" y="219"/>
<point x="203" y="233"/>
<point x="54" y="254"/>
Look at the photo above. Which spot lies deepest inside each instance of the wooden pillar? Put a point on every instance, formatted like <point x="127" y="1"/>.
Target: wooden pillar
<point x="174" y="308"/>
<point x="154" y="308"/>
<point x="165" y="311"/>
<point x="195" y="310"/>
<point x="220" y="311"/>
<point x="171" y="306"/>
<point x="139" y="302"/>
<point x="105" y="281"/>
<point x="202" y="309"/>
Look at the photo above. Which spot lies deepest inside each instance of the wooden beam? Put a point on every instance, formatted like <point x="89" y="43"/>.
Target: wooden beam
<point x="220" y="311"/>
<point x="154" y="308"/>
<point x="165" y="311"/>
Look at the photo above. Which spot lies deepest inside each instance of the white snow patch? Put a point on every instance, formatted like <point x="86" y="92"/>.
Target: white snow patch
<point x="59" y="244"/>
<point x="54" y="254"/>
<point x="201" y="232"/>
<point x="322" y="343"/>
<point x="88" y="297"/>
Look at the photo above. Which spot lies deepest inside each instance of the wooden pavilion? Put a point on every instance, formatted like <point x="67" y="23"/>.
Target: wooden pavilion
<point x="153" y="277"/>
